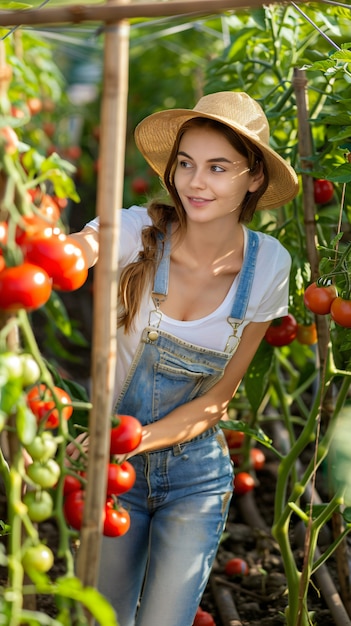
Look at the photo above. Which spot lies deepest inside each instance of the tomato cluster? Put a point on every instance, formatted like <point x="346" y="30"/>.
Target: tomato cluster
<point x="125" y="438"/>
<point x="203" y="618"/>
<point x="243" y="480"/>
<point x="36" y="256"/>
<point x="324" y="300"/>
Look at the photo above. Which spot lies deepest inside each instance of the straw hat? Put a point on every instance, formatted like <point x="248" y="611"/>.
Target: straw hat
<point x="156" y="134"/>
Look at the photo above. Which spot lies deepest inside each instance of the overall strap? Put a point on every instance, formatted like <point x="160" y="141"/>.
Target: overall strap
<point x="246" y="276"/>
<point x="164" y="254"/>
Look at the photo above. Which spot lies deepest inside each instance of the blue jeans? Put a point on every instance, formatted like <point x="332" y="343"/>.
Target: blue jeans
<point x="178" y="508"/>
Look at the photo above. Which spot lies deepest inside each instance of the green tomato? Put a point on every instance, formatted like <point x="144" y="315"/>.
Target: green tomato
<point x="26" y="424"/>
<point x="38" y="559"/>
<point x="43" y="447"/>
<point x="30" y="370"/>
<point x="45" y="474"/>
<point x="39" y="504"/>
<point x="12" y="363"/>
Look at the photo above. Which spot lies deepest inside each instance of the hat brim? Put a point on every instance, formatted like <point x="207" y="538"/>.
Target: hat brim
<point x="156" y="134"/>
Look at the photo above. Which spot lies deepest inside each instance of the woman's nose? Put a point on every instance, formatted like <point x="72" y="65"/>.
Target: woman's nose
<point x="198" y="178"/>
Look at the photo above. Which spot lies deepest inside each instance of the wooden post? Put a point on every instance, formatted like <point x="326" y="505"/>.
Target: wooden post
<point x="109" y="202"/>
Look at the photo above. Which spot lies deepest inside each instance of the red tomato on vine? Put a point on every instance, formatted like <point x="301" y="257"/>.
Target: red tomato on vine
<point x="120" y="478"/>
<point x="73" y="508"/>
<point x="24" y="286"/>
<point x="116" y="521"/>
<point x="282" y="331"/>
<point x="243" y="482"/>
<point x="323" y="191"/>
<point x="340" y="312"/>
<point x="43" y="404"/>
<point x="319" y="299"/>
<point x="126" y="436"/>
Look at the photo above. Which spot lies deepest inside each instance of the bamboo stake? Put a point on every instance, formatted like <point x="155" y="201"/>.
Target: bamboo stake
<point x="305" y="152"/>
<point x="109" y="201"/>
<point x="113" y="12"/>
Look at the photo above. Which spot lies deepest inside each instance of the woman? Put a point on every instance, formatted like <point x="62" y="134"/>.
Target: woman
<point x="197" y="292"/>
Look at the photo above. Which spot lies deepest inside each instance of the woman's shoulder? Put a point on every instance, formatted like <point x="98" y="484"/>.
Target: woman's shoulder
<point x="270" y="246"/>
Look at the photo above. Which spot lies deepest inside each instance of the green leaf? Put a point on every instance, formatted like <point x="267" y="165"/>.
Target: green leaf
<point x="256" y="433"/>
<point x="257" y="376"/>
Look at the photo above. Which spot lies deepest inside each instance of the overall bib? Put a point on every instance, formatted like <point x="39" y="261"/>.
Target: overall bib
<point x="179" y="503"/>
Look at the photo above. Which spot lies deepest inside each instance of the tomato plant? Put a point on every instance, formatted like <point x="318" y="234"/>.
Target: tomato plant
<point x="116" y="521"/>
<point x="323" y="191"/>
<point x="38" y="558"/>
<point x="243" y="482"/>
<point x="24" y="286"/>
<point x="282" y="331"/>
<point x="39" y="504"/>
<point x="236" y="567"/>
<point x="126" y="436"/>
<point x="120" y="478"/>
<point x="307" y="334"/>
<point x="73" y="507"/>
<point x="340" y="312"/>
<point x="42" y="402"/>
<point x="319" y="299"/>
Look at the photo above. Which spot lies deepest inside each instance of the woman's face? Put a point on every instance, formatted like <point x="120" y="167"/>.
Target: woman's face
<point x="211" y="177"/>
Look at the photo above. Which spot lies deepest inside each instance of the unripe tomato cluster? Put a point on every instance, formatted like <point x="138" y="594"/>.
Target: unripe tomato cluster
<point x="124" y="439"/>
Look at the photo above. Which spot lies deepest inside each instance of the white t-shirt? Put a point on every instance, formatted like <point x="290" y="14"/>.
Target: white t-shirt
<point x="268" y="298"/>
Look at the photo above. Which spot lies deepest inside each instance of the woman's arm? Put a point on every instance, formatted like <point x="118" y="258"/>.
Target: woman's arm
<point x="88" y="238"/>
<point x="193" y="418"/>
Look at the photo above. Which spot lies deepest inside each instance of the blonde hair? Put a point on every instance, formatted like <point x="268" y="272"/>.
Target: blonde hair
<point x="139" y="275"/>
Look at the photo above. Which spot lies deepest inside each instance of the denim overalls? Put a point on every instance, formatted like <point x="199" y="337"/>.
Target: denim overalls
<point x="179" y="503"/>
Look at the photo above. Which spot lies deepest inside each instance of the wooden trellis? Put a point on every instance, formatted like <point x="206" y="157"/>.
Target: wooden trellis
<point x="115" y="16"/>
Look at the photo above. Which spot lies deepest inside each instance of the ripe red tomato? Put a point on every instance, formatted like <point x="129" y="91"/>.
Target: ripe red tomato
<point x="203" y="618"/>
<point x="282" y="331"/>
<point x="32" y="226"/>
<point x="56" y="254"/>
<point x="236" y="567"/>
<point x="323" y="191"/>
<point x="73" y="507"/>
<point x="140" y="185"/>
<point x="10" y="139"/>
<point x="74" y="278"/>
<point x="340" y="311"/>
<point x="319" y="299"/>
<point x="234" y="438"/>
<point x="307" y="334"/>
<point x="243" y="482"/>
<point x="116" y="521"/>
<point x="43" y="404"/>
<point x="257" y="458"/>
<point x="71" y="483"/>
<point x="24" y="286"/>
<point x="120" y="478"/>
<point x="126" y="436"/>
<point x="49" y="208"/>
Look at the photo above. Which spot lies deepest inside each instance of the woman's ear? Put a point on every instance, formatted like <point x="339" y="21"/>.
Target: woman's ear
<point x="256" y="178"/>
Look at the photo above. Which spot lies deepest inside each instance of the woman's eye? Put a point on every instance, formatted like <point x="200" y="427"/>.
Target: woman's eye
<point x="217" y="168"/>
<point x="184" y="164"/>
